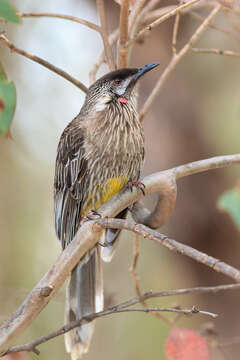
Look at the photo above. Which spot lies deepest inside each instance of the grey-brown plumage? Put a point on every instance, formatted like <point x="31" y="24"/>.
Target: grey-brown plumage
<point x="99" y="152"/>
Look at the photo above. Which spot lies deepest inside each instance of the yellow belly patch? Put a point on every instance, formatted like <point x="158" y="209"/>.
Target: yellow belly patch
<point x="107" y="190"/>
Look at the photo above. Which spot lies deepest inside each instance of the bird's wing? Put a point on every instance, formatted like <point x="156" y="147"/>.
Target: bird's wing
<point x="71" y="168"/>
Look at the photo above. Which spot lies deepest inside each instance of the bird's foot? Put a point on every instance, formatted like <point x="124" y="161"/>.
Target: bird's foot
<point x="91" y="215"/>
<point x="138" y="184"/>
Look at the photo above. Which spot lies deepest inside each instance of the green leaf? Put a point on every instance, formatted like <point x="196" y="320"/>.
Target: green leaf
<point x="229" y="201"/>
<point x="7" y="102"/>
<point x="8" y="12"/>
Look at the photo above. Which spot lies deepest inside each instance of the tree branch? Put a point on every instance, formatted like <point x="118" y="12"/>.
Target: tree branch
<point x="46" y="64"/>
<point x="172" y="245"/>
<point x="163" y="18"/>
<point x="121" y="308"/>
<point x="88" y="235"/>
<point x="122" y="50"/>
<point x="89" y="24"/>
<point x="149" y="295"/>
<point x="104" y="33"/>
<point x="176" y="58"/>
<point x="216" y="52"/>
<point x="93" y="73"/>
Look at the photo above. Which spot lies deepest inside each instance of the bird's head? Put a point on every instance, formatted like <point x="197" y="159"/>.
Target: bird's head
<point x="117" y="86"/>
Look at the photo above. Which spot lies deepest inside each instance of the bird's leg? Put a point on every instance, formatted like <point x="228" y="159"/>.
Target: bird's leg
<point x="135" y="183"/>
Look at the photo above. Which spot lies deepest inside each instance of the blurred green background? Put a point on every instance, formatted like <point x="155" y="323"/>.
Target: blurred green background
<point x="197" y="115"/>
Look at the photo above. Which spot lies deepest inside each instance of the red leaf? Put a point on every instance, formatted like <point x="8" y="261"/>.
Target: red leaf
<point x="184" y="344"/>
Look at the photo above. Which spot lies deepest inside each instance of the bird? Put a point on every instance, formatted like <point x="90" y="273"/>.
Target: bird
<point x="99" y="152"/>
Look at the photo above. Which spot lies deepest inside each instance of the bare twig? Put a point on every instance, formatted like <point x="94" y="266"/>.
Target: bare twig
<point x="121" y="308"/>
<point x="89" y="233"/>
<point x="136" y="280"/>
<point x="46" y="64"/>
<point x="112" y="40"/>
<point x="172" y="245"/>
<point x="215" y="27"/>
<point x="149" y="295"/>
<point x="89" y="24"/>
<point x="176" y="58"/>
<point x="162" y="19"/>
<point x="139" y="5"/>
<point x="216" y="52"/>
<point x="175" y="30"/>
<point x="122" y="50"/>
<point x="133" y="269"/>
<point x="104" y="33"/>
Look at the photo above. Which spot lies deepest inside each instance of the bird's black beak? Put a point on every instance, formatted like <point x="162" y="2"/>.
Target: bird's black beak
<point x="144" y="69"/>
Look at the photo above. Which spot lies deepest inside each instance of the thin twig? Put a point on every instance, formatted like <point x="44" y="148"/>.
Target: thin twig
<point x="46" y="64"/>
<point x="139" y="5"/>
<point x="175" y="30"/>
<point x="121" y="308"/>
<point x="112" y="40"/>
<point x="176" y="58"/>
<point x="89" y="24"/>
<point x="104" y="33"/>
<point x="215" y="27"/>
<point x="133" y="271"/>
<point x="216" y="52"/>
<point x="122" y="50"/>
<point x="162" y="19"/>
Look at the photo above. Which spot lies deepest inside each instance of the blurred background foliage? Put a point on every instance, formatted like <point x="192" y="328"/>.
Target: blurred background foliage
<point x="196" y="116"/>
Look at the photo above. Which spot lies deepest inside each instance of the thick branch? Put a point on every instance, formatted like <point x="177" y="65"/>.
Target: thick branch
<point x="176" y="58"/>
<point x="88" y="235"/>
<point x="43" y="62"/>
<point x="89" y="24"/>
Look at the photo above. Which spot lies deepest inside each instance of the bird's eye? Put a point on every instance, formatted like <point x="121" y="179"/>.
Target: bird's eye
<point x="117" y="81"/>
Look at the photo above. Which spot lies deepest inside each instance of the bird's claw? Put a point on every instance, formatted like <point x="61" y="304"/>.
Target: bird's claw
<point x="91" y="215"/>
<point x="138" y="184"/>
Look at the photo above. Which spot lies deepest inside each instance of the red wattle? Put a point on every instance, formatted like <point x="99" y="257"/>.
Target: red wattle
<point x="123" y="100"/>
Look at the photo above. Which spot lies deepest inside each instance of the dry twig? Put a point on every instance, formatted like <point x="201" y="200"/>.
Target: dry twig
<point x="46" y="64"/>
<point x="121" y="308"/>
<point x="133" y="271"/>
<point x="104" y="33"/>
<point x="149" y="295"/>
<point x="216" y="52"/>
<point x="112" y="40"/>
<point x="89" y="24"/>
<point x="122" y="51"/>
<point x="215" y="27"/>
<point x="173" y="245"/>
<point x="175" y="30"/>
<point x="176" y="58"/>
<point x="162" y="19"/>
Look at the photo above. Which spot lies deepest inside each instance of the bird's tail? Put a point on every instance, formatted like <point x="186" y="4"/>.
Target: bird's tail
<point x="84" y="295"/>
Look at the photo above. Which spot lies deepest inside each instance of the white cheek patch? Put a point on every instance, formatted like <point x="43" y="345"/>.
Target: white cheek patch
<point x="101" y="104"/>
<point x="120" y="89"/>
